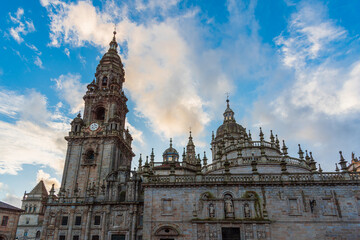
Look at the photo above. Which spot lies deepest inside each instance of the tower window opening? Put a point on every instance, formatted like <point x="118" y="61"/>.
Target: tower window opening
<point x="104" y="81"/>
<point x="100" y="114"/>
<point x="90" y="156"/>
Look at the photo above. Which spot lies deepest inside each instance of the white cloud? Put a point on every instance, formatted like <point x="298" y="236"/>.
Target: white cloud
<point x="71" y="90"/>
<point x="38" y="62"/>
<point x="48" y="180"/>
<point x="310" y="34"/>
<point x="9" y="197"/>
<point x="12" y="200"/>
<point x="318" y="104"/>
<point x="41" y="132"/>
<point x="24" y="25"/>
<point x="67" y="52"/>
<point x="160" y="64"/>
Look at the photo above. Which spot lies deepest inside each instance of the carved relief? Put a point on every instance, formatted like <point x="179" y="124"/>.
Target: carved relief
<point x="328" y="207"/>
<point x="201" y="234"/>
<point x="294" y="208"/>
<point x="249" y="233"/>
<point x="213" y="233"/>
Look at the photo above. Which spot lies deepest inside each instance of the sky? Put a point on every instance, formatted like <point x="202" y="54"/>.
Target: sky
<point x="288" y="66"/>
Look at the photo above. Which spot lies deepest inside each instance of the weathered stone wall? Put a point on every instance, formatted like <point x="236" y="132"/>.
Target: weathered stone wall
<point x="294" y="211"/>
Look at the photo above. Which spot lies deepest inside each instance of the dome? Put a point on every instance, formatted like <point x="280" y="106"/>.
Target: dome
<point x="170" y="154"/>
<point x="230" y="127"/>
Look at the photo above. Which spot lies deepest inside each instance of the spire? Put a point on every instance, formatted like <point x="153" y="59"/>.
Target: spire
<point x="204" y="159"/>
<point x="250" y="139"/>
<point x="277" y="143"/>
<point x="312" y="163"/>
<point x="261" y="135"/>
<point x="152" y="155"/>
<point x="272" y="138"/>
<point x="336" y="168"/>
<point x="307" y="158"/>
<point x="284" y="149"/>
<point x="184" y="155"/>
<point x="320" y="170"/>
<point x="301" y="153"/>
<point x="228" y="114"/>
<point x="113" y="44"/>
<point x="190" y="151"/>
<point x="342" y="162"/>
<point x="140" y="161"/>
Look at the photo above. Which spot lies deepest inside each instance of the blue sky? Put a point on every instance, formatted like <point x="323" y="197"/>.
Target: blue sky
<point x="289" y="66"/>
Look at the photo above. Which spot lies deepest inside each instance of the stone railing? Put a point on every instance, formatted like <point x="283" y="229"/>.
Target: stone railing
<point x="290" y="161"/>
<point x="307" y="178"/>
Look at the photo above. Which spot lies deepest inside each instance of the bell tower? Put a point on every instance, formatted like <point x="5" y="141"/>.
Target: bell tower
<point x="99" y="144"/>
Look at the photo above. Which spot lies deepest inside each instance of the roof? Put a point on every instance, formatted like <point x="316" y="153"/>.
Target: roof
<point x="9" y="207"/>
<point x="39" y="189"/>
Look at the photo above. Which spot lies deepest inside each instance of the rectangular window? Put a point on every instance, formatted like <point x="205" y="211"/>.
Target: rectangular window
<point x="117" y="237"/>
<point x="97" y="220"/>
<point x="62" y="237"/>
<point x="76" y="237"/>
<point x="64" y="220"/>
<point x="95" y="237"/>
<point x="4" y="221"/>
<point x="77" y="220"/>
<point x="230" y="233"/>
<point x="140" y="220"/>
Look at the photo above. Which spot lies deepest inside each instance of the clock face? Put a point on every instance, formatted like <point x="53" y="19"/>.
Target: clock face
<point x="94" y="126"/>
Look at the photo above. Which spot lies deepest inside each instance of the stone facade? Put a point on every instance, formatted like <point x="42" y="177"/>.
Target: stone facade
<point x="9" y="217"/>
<point x="31" y="220"/>
<point x="251" y="189"/>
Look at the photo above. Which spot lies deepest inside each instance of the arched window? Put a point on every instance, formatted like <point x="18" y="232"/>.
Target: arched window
<point x="104" y="81"/>
<point x="37" y="234"/>
<point x="100" y="114"/>
<point x="30" y="208"/>
<point x="35" y="208"/>
<point x="26" y="208"/>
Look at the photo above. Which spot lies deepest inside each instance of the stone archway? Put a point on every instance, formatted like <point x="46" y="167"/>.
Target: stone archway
<point x="3" y="237"/>
<point x="167" y="233"/>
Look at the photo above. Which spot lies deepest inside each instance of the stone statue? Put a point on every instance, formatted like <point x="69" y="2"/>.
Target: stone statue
<point x="247" y="213"/>
<point x="211" y="210"/>
<point x="229" y="207"/>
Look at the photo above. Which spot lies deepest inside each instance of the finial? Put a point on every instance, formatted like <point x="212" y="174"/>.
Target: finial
<point x="227" y="99"/>
<point x="140" y="160"/>
<point x="277" y="143"/>
<point x="320" y="170"/>
<point x="184" y="154"/>
<point x="79" y="114"/>
<point x="301" y="153"/>
<point x="342" y="162"/>
<point x="272" y="138"/>
<point x="250" y="135"/>
<point x="170" y="142"/>
<point x="337" y="168"/>
<point x="284" y="148"/>
<point x="261" y="135"/>
<point x="147" y="160"/>
<point x="212" y="136"/>
<point x="190" y="133"/>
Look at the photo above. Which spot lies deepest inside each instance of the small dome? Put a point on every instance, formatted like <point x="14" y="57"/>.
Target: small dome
<point x="170" y="154"/>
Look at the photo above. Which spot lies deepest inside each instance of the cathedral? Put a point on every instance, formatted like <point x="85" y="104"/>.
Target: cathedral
<point x="250" y="189"/>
